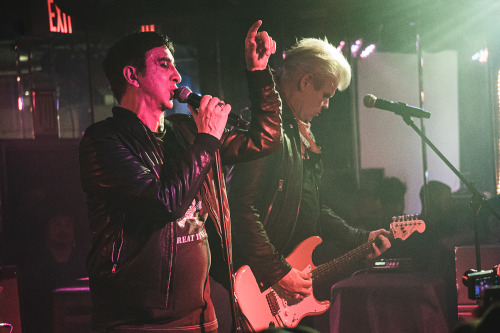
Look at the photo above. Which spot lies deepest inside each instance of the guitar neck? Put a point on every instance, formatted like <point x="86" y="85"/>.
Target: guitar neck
<point x="401" y="228"/>
<point x="337" y="267"/>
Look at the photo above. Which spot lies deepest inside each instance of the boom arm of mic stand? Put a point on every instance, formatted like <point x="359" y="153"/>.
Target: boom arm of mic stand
<point x="477" y="200"/>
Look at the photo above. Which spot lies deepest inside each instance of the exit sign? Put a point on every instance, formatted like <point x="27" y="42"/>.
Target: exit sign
<point x="58" y="21"/>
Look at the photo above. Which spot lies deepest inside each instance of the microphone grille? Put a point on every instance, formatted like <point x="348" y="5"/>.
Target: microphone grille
<point x="369" y="100"/>
<point x="181" y="94"/>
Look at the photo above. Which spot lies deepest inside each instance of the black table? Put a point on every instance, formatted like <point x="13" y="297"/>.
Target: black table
<point x="389" y="303"/>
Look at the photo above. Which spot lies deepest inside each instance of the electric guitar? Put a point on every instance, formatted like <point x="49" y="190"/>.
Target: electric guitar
<point x="269" y="309"/>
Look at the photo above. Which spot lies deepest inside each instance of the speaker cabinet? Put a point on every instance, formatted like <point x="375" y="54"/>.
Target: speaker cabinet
<point x="72" y="309"/>
<point x="10" y="309"/>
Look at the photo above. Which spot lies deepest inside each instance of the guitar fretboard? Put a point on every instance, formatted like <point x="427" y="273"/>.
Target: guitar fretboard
<point x="336" y="268"/>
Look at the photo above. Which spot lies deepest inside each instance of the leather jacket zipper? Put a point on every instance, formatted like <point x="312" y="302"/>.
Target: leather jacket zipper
<point x="113" y="259"/>
<point x="205" y="198"/>
<point x="280" y="189"/>
<point x="214" y="213"/>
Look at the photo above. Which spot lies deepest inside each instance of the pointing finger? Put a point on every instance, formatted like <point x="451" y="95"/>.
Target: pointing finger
<point x="253" y="30"/>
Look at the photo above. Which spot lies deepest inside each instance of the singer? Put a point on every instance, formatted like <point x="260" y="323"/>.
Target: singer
<point x="153" y="185"/>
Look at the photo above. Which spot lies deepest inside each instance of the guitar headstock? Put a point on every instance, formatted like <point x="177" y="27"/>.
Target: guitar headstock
<point x="403" y="226"/>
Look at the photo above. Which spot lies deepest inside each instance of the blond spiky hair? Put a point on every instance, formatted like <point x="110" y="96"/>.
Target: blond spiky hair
<point x="319" y="57"/>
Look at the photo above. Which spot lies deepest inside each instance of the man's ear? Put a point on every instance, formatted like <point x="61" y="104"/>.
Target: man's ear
<point x="130" y="74"/>
<point x="306" y="81"/>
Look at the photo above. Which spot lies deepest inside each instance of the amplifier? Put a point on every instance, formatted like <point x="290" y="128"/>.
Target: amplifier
<point x="10" y="309"/>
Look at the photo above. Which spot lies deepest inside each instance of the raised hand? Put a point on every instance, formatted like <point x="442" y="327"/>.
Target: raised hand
<point x="258" y="48"/>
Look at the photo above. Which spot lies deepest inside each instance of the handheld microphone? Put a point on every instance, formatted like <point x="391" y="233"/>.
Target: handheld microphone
<point x="402" y="109"/>
<point x="185" y="95"/>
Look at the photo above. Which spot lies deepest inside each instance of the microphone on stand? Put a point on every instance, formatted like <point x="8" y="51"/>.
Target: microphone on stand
<point x="185" y="95"/>
<point x="402" y="109"/>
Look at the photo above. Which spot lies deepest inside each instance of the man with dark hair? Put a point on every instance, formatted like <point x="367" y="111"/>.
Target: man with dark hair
<point x="436" y="199"/>
<point x="153" y="183"/>
<point x="392" y="193"/>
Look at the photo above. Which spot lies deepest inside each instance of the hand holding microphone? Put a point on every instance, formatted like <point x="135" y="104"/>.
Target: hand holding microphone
<point x="185" y="95"/>
<point x="209" y="113"/>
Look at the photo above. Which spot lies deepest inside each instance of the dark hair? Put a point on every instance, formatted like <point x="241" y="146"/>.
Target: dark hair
<point x="391" y="190"/>
<point x="434" y="188"/>
<point x="130" y="51"/>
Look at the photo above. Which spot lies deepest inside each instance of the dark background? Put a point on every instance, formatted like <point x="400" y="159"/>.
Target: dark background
<point x="210" y="56"/>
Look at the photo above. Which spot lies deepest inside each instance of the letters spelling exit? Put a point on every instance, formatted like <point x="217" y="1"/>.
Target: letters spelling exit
<point x="61" y="20"/>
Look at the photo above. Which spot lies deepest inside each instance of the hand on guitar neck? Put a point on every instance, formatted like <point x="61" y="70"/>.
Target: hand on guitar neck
<point x="380" y="245"/>
<point x="297" y="285"/>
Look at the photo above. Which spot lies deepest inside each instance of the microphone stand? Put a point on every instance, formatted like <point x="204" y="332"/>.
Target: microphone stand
<point x="477" y="200"/>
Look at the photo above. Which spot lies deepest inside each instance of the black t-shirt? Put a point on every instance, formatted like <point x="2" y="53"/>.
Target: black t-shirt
<point x="309" y="203"/>
<point x="191" y="305"/>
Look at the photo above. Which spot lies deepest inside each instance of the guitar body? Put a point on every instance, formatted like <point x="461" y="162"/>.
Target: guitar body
<point x="267" y="309"/>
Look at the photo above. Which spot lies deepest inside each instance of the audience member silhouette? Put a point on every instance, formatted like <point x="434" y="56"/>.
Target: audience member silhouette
<point x="487" y="322"/>
<point x="366" y="211"/>
<point x="375" y="207"/>
<point x="437" y="209"/>
<point x="57" y="263"/>
<point x="391" y="192"/>
<point x="448" y="225"/>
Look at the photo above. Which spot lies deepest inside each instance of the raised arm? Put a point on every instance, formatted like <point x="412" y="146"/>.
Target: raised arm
<point x="264" y="133"/>
<point x="258" y="48"/>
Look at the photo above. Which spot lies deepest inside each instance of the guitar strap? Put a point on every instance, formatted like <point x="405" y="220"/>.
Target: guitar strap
<point x="238" y="318"/>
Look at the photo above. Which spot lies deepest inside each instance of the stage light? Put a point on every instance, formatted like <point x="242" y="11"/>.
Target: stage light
<point x="356" y="47"/>
<point x="341" y="46"/>
<point x="367" y="51"/>
<point x="481" y="56"/>
<point x="484" y="56"/>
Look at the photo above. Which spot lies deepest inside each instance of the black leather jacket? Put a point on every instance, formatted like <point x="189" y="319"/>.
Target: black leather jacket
<point x="264" y="197"/>
<point x="134" y="193"/>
